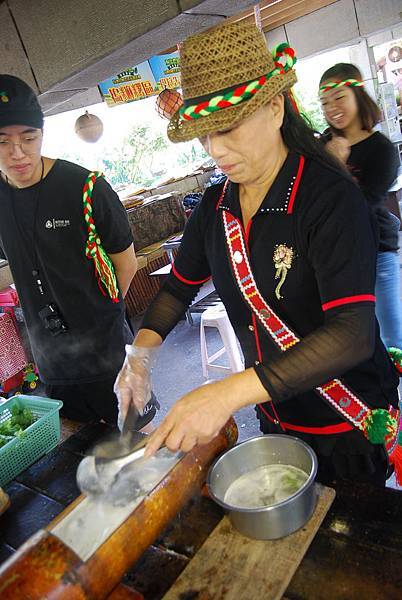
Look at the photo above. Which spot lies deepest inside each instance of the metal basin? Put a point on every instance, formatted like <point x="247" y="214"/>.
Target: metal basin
<point x="282" y="518"/>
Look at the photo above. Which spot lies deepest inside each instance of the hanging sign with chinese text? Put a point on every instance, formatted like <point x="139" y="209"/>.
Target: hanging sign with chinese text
<point x="166" y="70"/>
<point x="146" y="79"/>
<point x="135" y="83"/>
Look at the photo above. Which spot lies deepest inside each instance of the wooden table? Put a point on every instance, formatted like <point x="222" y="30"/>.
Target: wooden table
<point x="162" y="273"/>
<point x="356" y="554"/>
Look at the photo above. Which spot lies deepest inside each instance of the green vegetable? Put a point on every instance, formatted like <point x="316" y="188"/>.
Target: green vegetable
<point x="4" y="439"/>
<point x="291" y="483"/>
<point x="21" y="416"/>
<point x="14" y="426"/>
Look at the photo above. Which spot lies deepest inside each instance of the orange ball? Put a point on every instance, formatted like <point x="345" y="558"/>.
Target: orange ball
<point x="168" y="102"/>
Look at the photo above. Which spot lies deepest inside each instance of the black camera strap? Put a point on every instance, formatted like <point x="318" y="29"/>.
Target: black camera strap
<point x="49" y="314"/>
<point x="35" y="270"/>
<point x="23" y="237"/>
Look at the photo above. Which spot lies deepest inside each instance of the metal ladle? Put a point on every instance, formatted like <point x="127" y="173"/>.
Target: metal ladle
<point x="97" y="472"/>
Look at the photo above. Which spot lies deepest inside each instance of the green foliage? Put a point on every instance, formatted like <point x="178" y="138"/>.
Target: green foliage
<point x="311" y="106"/>
<point x="133" y="161"/>
<point x="192" y="153"/>
<point x="145" y="156"/>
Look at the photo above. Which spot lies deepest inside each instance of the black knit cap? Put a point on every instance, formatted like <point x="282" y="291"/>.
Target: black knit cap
<point x="18" y="103"/>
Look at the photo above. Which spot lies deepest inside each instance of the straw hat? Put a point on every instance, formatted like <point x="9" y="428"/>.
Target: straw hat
<point x="227" y="73"/>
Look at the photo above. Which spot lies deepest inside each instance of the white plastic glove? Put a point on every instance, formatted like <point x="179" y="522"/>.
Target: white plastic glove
<point x="133" y="383"/>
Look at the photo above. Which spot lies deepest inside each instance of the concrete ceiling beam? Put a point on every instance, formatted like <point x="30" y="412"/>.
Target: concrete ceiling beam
<point x="64" y="49"/>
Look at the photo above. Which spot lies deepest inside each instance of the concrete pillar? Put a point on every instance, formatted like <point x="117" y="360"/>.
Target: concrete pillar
<point x="362" y="56"/>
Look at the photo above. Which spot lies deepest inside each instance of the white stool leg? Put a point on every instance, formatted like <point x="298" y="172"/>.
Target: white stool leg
<point x="208" y="361"/>
<point x="203" y="348"/>
<point x="230" y="342"/>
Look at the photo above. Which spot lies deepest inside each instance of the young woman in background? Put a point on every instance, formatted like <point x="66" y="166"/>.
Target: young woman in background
<point x="373" y="162"/>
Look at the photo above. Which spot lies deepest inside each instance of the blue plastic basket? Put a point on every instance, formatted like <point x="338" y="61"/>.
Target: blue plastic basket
<point x="38" y="439"/>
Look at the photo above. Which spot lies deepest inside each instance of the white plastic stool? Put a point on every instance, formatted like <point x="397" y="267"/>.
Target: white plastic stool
<point x="216" y="316"/>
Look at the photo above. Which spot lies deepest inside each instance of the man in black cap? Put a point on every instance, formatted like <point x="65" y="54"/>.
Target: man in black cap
<point x="69" y="246"/>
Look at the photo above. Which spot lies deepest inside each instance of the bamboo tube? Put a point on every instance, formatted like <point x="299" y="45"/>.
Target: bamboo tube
<point x="122" y="592"/>
<point x="42" y="565"/>
<point x="45" y="567"/>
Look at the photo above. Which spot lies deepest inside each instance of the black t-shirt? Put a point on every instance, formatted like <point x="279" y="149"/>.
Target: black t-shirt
<point x="93" y="347"/>
<point x="333" y="265"/>
<point x="374" y="164"/>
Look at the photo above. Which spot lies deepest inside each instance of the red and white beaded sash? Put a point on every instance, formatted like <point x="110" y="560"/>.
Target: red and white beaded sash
<point x="336" y="393"/>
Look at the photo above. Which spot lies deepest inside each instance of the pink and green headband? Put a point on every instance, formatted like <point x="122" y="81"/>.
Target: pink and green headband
<point x="331" y="85"/>
<point x="284" y="59"/>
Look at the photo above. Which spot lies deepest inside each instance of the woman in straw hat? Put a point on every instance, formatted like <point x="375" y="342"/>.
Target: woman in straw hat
<point x="287" y="241"/>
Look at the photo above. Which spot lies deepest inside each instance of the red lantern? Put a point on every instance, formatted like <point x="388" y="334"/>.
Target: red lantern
<point x="167" y="103"/>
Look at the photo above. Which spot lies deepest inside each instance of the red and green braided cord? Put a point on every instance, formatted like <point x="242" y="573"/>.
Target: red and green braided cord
<point x="331" y="85"/>
<point x="284" y="59"/>
<point x="223" y="101"/>
<point x="94" y="250"/>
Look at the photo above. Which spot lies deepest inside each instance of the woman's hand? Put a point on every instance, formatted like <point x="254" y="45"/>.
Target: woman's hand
<point x="199" y="416"/>
<point x="195" y="419"/>
<point x="339" y="147"/>
<point x="133" y="382"/>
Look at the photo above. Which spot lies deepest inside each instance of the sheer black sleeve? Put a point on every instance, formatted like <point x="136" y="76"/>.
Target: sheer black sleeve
<point x="190" y="270"/>
<point x="168" y="307"/>
<point x="346" y="339"/>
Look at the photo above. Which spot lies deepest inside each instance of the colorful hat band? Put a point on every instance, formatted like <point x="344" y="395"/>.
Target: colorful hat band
<point x="331" y="85"/>
<point x="284" y="59"/>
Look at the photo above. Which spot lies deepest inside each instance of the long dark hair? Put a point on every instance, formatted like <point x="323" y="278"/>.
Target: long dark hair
<point x="369" y="112"/>
<point x="298" y="135"/>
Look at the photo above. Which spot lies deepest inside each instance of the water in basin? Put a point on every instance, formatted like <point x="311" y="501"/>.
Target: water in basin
<point x="265" y="486"/>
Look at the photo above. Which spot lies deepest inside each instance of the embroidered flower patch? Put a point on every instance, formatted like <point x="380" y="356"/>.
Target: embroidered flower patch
<point x="283" y="257"/>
